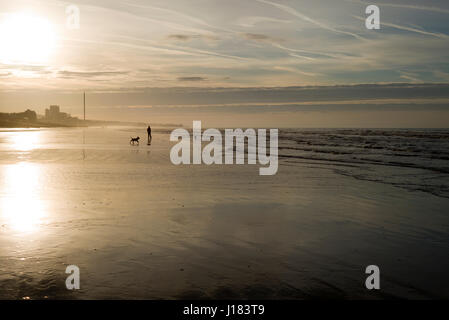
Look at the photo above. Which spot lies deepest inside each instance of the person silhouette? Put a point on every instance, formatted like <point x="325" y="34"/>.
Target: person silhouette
<point x="150" y="138"/>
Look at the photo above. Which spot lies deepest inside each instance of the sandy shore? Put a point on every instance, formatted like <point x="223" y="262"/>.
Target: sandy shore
<point x="139" y="227"/>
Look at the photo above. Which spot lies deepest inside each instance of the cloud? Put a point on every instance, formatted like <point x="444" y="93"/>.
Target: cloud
<point x="413" y="77"/>
<point x="301" y="16"/>
<point x="410" y="29"/>
<point x="297" y="94"/>
<point x="182" y="37"/>
<point x="166" y="23"/>
<point x="294" y="70"/>
<point x="260" y="37"/>
<point x="192" y="79"/>
<point x="441" y="75"/>
<point x="188" y="37"/>
<point x="24" y="67"/>
<point x="433" y="34"/>
<point x="403" y="6"/>
<point x="139" y="107"/>
<point x="151" y="46"/>
<point x="274" y="43"/>
<point x="178" y="14"/>
<point x="252" y="21"/>
<point x="310" y="54"/>
<point x="89" y="74"/>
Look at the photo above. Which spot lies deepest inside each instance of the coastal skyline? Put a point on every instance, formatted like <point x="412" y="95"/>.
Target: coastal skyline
<point x="133" y="58"/>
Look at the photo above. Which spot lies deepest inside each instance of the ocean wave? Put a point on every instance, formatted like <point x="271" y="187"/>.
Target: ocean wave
<point x="371" y="151"/>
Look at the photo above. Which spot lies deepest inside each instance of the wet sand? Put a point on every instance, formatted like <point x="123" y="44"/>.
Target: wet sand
<point x="139" y="227"/>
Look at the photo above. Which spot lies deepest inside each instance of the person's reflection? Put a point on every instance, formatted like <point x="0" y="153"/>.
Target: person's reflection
<point x="150" y="138"/>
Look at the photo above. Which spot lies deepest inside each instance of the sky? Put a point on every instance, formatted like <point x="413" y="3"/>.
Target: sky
<point x="280" y="62"/>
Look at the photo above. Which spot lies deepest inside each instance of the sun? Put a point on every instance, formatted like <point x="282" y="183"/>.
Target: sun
<point x="25" y="38"/>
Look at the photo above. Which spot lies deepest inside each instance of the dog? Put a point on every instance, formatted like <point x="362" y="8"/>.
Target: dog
<point x="133" y="140"/>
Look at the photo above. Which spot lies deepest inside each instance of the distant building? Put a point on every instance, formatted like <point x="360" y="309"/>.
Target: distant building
<point x="28" y="115"/>
<point x="54" y="114"/>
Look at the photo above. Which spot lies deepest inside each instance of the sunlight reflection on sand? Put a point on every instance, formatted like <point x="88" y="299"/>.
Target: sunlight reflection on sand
<point x="24" y="140"/>
<point x="22" y="208"/>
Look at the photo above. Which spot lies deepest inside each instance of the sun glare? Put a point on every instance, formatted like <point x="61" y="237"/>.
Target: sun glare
<point x="25" y="38"/>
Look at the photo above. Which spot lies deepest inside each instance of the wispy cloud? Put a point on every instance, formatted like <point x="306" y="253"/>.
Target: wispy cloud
<point x="260" y="37"/>
<point x="192" y="79"/>
<point x="134" y="43"/>
<point x="441" y="75"/>
<point x="302" y="16"/>
<point x="252" y="21"/>
<point x="410" y="29"/>
<point x="178" y="14"/>
<point x="173" y="25"/>
<point x="309" y="53"/>
<point x="413" y="77"/>
<point x="5" y="74"/>
<point x="188" y="37"/>
<point x="90" y="74"/>
<point x="403" y="6"/>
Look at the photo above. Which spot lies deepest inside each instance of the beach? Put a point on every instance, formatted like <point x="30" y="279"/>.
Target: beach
<point x="139" y="227"/>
